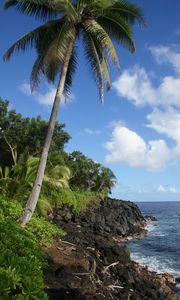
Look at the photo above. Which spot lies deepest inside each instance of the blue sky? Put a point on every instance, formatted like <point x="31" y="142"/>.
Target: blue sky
<point x="136" y="132"/>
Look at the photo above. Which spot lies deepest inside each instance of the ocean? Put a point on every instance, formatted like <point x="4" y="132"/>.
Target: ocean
<point x="160" y="249"/>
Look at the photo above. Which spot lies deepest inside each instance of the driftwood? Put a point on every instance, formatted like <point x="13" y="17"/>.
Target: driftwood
<point x="112" y="287"/>
<point x="68" y="243"/>
<point x="111" y="265"/>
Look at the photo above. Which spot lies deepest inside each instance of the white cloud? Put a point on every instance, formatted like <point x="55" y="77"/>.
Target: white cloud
<point x="167" y="189"/>
<point x="161" y="189"/>
<point x="136" y="86"/>
<point x="174" y="190"/>
<point x="46" y="98"/>
<point x="127" y="147"/>
<point x="114" y="123"/>
<point x="25" y="88"/>
<point x="166" y="122"/>
<point x="166" y="55"/>
<point x="92" y="132"/>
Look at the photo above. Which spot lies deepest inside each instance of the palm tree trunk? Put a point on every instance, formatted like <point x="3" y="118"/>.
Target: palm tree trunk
<point x="33" y="198"/>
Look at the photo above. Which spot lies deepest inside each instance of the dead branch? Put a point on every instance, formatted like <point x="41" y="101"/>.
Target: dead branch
<point x="65" y="242"/>
<point x="81" y="274"/>
<point x="112" y="287"/>
<point x="111" y="265"/>
<point x="12" y="150"/>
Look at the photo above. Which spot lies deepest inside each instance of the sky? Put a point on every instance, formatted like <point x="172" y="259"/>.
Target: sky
<point x="136" y="132"/>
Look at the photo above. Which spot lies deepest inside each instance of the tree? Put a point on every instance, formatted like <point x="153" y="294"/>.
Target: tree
<point x="97" y="22"/>
<point x="16" y="182"/>
<point x="18" y="133"/>
<point x="88" y="174"/>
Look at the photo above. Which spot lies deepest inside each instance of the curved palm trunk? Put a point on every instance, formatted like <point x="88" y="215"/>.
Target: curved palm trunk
<point x="33" y="198"/>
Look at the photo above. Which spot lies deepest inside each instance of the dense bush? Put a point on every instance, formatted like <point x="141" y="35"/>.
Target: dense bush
<point x="10" y="209"/>
<point x="43" y="231"/>
<point x="77" y="199"/>
<point x="21" y="260"/>
<point x="21" y="264"/>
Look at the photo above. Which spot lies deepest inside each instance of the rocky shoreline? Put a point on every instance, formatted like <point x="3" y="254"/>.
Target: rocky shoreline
<point x="92" y="262"/>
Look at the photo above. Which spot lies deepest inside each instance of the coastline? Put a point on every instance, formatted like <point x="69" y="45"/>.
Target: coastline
<point x="93" y="262"/>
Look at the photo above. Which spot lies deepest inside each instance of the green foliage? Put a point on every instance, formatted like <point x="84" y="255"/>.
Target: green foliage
<point x="78" y="199"/>
<point x="88" y="180"/>
<point x="10" y="209"/>
<point x="21" y="260"/>
<point x="98" y="22"/>
<point x="17" y="183"/>
<point x="89" y="175"/>
<point x="18" y="133"/>
<point x="21" y="264"/>
<point x="43" y="230"/>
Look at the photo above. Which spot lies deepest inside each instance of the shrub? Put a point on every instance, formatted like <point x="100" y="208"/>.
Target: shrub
<point x="10" y="209"/>
<point x="21" y="260"/>
<point x="43" y="231"/>
<point x="77" y="199"/>
<point x="21" y="264"/>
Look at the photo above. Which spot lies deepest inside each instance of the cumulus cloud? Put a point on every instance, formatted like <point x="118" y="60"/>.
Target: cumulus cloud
<point x="166" y="55"/>
<point x="167" y="189"/>
<point x="166" y="122"/>
<point x="127" y="147"/>
<point x="136" y="86"/>
<point x="45" y="98"/>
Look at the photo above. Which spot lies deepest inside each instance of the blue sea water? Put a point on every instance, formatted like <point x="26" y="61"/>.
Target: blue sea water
<point x="160" y="250"/>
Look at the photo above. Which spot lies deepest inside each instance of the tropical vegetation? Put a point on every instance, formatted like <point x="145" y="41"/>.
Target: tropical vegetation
<point x="98" y="23"/>
<point x="21" y="259"/>
<point x="70" y="178"/>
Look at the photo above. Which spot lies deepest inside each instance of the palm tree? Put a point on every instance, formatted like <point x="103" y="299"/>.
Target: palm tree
<point x="98" y="22"/>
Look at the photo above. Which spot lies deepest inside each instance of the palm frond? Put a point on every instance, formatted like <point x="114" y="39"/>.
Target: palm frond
<point x="43" y="10"/>
<point x="93" y="5"/>
<point x="70" y="73"/>
<point x="96" y="30"/>
<point x="31" y="39"/>
<point x="60" y="183"/>
<point x="93" y="58"/>
<point x="37" y="8"/>
<point x="117" y="27"/>
<point x="131" y="12"/>
<point x="44" y="207"/>
<point x="51" y="55"/>
<point x="103" y="61"/>
<point x="105" y="68"/>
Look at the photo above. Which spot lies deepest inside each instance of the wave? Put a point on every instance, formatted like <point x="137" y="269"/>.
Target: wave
<point x="154" y="264"/>
<point x="153" y="230"/>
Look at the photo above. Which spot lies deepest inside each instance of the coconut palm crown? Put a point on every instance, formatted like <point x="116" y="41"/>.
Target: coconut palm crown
<point x="99" y="23"/>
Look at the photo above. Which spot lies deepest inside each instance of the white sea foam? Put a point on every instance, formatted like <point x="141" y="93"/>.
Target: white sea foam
<point x="150" y="227"/>
<point x="154" y="264"/>
<point x="154" y="230"/>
